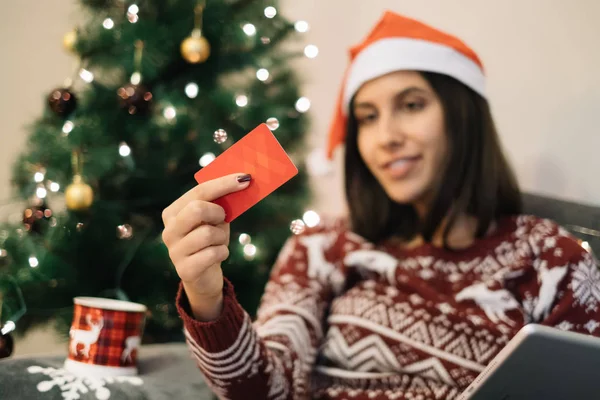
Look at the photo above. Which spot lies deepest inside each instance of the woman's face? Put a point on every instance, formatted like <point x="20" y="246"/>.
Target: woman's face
<point x="401" y="135"/>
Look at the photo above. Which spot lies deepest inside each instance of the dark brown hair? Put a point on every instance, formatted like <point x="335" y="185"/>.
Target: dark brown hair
<point x="477" y="179"/>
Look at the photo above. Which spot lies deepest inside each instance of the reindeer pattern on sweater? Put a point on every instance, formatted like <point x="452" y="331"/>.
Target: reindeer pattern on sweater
<point x="344" y="318"/>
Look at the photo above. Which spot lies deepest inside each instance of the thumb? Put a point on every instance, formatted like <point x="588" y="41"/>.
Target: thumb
<point x="215" y="188"/>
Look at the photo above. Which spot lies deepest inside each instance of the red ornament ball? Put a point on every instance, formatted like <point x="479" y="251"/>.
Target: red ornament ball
<point x="136" y="99"/>
<point x="7" y="345"/>
<point x="34" y="217"/>
<point x="62" y="101"/>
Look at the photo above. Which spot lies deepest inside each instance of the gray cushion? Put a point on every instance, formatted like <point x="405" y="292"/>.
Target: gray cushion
<point x="166" y="372"/>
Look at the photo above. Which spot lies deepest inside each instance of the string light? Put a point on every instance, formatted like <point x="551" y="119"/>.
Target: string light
<point x="301" y="26"/>
<point x="220" y="136"/>
<point x="206" y="159"/>
<point x="303" y="104"/>
<point x="124" y="149"/>
<point x="53" y="186"/>
<point x="244" y="239"/>
<point x="86" y="75"/>
<point x="124" y="231"/>
<point x="33" y="262"/>
<point x="108" y="23"/>
<point x="249" y="29"/>
<point x="270" y="12"/>
<point x="586" y="246"/>
<point x="136" y="78"/>
<point x="311" y="51"/>
<point x="249" y="251"/>
<point x="169" y="112"/>
<point x="311" y="218"/>
<point x="8" y="327"/>
<point x="41" y="192"/>
<point x="38" y="176"/>
<point x="241" y="100"/>
<point x="191" y="90"/>
<point x="67" y="128"/>
<point x="273" y="123"/>
<point x="262" y="74"/>
<point x="132" y="13"/>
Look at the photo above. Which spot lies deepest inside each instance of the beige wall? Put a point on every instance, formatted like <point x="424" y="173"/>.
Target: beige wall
<point x="32" y="63"/>
<point x="541" y="56"/>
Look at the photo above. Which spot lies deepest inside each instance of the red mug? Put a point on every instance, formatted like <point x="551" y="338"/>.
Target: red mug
<point x="105" y="337"/>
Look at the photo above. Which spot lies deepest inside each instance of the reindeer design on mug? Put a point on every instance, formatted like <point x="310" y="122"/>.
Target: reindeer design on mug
<point x="86" y="337"/>
<point x="131" y="343"/>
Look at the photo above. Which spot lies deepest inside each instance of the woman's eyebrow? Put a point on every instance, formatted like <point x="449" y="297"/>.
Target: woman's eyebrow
<point x="402" y="93"/>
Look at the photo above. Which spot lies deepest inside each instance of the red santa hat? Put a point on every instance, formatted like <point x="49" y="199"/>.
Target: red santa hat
<point x="400" y="43"/>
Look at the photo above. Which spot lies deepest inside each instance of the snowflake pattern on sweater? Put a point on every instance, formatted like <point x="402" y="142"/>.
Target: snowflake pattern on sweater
<point x="342" y="318"/>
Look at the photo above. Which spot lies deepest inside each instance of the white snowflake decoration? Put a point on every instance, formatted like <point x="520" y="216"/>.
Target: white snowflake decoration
<point x="586" y="284"/>
<point x="73" y="386"/>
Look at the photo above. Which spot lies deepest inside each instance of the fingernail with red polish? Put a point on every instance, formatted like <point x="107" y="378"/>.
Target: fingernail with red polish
<point x="244" y="178"/>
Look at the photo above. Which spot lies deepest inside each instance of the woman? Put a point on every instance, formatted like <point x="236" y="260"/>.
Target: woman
<point x="432" y="273"/>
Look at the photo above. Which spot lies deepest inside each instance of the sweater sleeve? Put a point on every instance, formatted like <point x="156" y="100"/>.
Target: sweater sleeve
<point x="566" y="292"/>
<point x="272" y="357"/>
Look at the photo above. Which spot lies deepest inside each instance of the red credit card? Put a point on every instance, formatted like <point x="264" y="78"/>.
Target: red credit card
<point x="259" y="154"/>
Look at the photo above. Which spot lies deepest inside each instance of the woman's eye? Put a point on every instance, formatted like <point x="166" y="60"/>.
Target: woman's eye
<point x="366" y="119"/>
<point x="414" y="105"/>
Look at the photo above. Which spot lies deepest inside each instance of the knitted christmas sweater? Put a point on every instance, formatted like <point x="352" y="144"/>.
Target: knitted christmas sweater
<point x="342" y="318"/>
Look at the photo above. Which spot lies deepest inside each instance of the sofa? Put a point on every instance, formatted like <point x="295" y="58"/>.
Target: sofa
<point x="167" y="371"/>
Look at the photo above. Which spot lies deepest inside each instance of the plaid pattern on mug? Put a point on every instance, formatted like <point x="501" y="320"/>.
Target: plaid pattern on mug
<point x="105" y="337"/>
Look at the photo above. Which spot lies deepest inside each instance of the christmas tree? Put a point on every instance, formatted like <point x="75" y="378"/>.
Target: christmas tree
<point x="161" y="88"/>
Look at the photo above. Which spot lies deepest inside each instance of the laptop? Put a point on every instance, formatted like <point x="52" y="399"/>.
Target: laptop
<point x="543" y="363"/>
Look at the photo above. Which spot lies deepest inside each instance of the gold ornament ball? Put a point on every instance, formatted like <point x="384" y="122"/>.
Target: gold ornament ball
<point x="69" y="40"/>
<point x="195" y="49"/>
<point x="79" y="195"/>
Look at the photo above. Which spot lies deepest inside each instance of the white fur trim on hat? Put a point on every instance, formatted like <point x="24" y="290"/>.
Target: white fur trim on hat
<point x="395" y="54"/>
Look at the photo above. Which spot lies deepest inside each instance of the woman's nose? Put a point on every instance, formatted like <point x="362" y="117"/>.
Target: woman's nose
<point x="390" y="132"/>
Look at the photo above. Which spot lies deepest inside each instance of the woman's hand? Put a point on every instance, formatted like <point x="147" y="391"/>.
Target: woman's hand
<point x="198" y="238"/>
